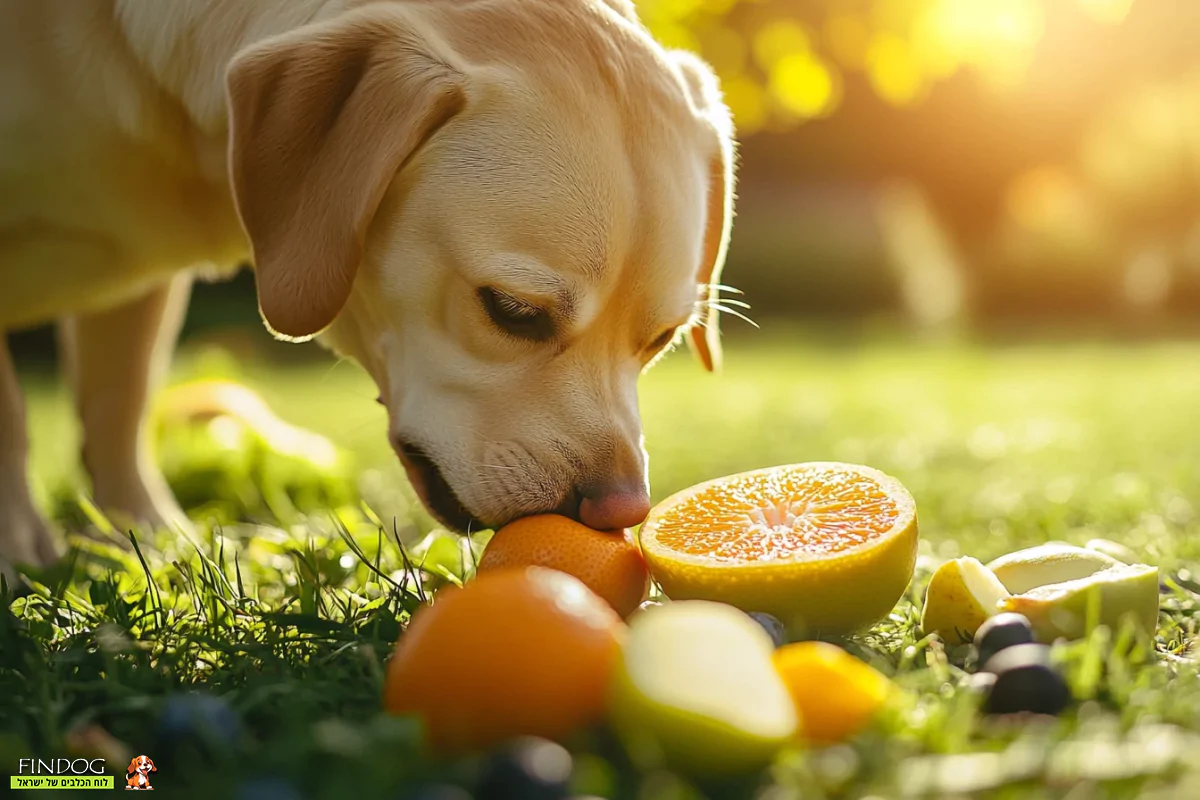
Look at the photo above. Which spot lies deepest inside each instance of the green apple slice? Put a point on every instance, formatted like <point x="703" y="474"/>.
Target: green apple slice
<point x="1047" y="564"/>
<point x="962" y="594"/>
<point x="697" y="689"/>
<point x="1060" y="610"/>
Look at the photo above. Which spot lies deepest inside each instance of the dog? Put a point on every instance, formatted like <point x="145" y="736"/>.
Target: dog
<point x="503" y="210"/>
<point x="137" y="774"/>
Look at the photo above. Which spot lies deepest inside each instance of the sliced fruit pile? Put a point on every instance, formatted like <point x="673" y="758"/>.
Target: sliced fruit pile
<point x="704" y="682"/>
<point x="1013" y="609"/>
<point x="697" y="685"/>
<point x="1062" y="590"/>
<point x="555" y="634"/>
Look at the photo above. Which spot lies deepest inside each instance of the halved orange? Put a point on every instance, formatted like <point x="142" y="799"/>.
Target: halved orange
<point x="825" y="547"/>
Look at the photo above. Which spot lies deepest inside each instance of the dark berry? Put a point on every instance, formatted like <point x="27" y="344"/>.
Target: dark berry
<point x="527" y="769"/>
<point x="197" y="726"/>
<point x="999" y="632"/>
<point x="1026" y="681"/>
<point x="772" y="626"/>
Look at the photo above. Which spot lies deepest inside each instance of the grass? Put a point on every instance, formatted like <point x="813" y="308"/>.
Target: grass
<point x="287" y="607"/>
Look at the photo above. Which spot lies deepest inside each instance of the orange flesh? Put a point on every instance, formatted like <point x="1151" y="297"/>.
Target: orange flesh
<point x="779" y="514"/>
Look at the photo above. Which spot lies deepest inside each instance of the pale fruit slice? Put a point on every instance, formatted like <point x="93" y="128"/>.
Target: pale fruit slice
<point x="1114" y="550"/>
<point x="824" y="547"/>
<point x="961" y="595"/>
<point x="1060" y="610"/>
<point x="696" y="689"/>
<point x="1047" y="563"/>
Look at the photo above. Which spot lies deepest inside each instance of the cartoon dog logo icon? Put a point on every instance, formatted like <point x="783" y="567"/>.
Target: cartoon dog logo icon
<point x="137" y="774"/>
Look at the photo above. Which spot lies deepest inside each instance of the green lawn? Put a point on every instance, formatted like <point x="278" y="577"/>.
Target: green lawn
<point x="1001" y="446"/>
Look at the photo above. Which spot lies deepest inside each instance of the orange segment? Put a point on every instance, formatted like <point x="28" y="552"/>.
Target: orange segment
<point x="826" y="547"/>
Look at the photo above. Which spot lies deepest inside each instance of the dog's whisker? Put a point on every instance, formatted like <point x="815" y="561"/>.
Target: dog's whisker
<point x="734" y="313"/>
<point x="725" y="301"/>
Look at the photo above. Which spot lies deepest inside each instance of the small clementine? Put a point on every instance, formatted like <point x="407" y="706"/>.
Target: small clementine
<point x="836" y="695"/>
<point x="608" y="562"/>
<point x="519" y="651"/>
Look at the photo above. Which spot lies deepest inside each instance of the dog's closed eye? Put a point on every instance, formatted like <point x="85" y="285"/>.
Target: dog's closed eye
<point x="662" y="340"/>
<point x="516" y="317"/>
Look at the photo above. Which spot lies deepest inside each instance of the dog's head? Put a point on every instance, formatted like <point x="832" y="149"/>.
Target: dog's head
<point x="141" y="765"/>
<point x="505" y="212"/>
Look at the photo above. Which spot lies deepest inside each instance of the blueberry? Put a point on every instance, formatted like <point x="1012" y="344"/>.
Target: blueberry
<point x="267" y="789"/>
<point x="999" y="632"/>
<point x="1026" y="681"/>
<point x="772" y="626"/>
<point x="527" y="769"/>
<point x="197" y="725"/>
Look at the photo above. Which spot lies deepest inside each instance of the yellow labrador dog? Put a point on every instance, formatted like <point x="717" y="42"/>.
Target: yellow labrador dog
<point x="502" y="209"/>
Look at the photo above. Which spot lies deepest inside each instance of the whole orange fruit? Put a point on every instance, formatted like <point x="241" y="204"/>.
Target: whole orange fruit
<point x="519" y="651"/>
<point x="608" y="562"/>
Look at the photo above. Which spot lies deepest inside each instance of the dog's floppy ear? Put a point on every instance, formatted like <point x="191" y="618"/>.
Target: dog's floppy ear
<point x="150" y="761"/>
<point x="705" y="335"/>
<point x="132" y="765"/>
<point x="321" y="120"/>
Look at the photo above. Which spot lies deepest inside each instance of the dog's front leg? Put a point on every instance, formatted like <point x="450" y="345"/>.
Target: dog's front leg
<point x="24" y="535"/>
<point x="114" y="360"/>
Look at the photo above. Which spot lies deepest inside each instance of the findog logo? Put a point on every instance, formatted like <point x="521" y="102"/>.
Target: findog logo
<point x="137" y="774"/>
<point x="61" y="773"/>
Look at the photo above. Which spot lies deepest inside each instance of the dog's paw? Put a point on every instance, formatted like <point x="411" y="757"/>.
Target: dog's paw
<point x="147" y="518"/>
<point x="145" y="505"/>
<point x="25" y="540"/>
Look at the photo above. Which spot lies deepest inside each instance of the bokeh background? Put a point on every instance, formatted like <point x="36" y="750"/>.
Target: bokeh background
<point x="989" y="162"/>
<point x="980" y="162"/>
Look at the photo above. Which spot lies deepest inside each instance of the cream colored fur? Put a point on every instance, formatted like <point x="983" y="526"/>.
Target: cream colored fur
<point x="386" y="165"/>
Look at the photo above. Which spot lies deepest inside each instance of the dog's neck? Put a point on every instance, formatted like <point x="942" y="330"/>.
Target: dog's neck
<point x="186" y="46"/>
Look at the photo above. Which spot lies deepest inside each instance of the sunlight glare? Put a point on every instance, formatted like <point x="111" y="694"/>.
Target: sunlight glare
<point x="803" y="85"/>
<point x="1109" y="12"/>
<point x="777" y="40"/>
<point x="894" y="71"/>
